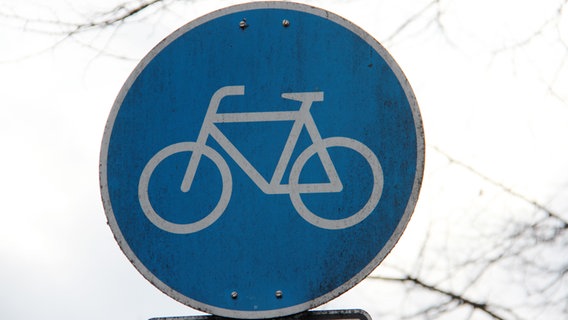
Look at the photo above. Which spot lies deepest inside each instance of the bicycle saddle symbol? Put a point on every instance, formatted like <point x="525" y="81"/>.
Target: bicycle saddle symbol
<point x="302" y="119"/>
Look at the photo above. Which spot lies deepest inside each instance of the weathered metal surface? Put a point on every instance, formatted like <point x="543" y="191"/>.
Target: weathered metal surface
<point x="262" y="160"/>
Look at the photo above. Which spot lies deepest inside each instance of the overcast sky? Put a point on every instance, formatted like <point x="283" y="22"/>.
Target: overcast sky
<point x="501" y="112"/>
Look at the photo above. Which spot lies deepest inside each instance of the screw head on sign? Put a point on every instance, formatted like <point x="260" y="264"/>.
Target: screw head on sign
<point x="286" y="23"/>
<point x="243" y="24"/>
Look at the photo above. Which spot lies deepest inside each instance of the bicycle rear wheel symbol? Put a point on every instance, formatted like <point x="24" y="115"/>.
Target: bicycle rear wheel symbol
<point x="294" y="188"/>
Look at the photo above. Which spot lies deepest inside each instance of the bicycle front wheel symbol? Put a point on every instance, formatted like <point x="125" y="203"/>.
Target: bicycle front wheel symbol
<point x="210" y="218"/>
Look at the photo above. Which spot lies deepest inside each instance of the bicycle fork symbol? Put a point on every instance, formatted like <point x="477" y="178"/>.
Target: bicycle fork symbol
<point x="301" y="119"/>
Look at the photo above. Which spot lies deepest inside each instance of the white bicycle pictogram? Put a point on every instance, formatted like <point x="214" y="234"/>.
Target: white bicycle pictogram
<point x="302" y="119"/>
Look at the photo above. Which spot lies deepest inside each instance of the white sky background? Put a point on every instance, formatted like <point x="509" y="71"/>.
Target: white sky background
<point x="503" y="113"/>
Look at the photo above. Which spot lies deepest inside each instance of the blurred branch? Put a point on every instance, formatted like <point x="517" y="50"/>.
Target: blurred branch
<point x="410" y="20"/>
<point x="549" y="212"/>
<point x="524" y="247"/>
<point x="553" y="20"/>
<point x="454" y="297"/>
<point x="550" y="25"/>
<point x="108" y="21"/>
<point x="434" y="5"/>
<point x="117" y="15"/>
<point x="100" y="20"/>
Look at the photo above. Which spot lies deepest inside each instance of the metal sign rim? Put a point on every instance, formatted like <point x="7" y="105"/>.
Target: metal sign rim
<point x="337" y="291"/>
<point x="342" y="314"/>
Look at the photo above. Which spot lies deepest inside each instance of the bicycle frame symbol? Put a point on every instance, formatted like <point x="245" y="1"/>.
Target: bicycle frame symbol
<point x="302" y="119"/>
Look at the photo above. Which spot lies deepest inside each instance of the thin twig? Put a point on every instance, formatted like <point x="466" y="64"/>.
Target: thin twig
<point x="483" y="307"/>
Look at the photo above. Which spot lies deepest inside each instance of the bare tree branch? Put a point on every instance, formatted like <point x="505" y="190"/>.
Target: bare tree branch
<point x="410" y="20"/>
<point x="553" y="20"/>
<point x="117" y="15"/>
<point x="454" y="297"/>
<point x="550" y="25"/>
<point x="99" y="20"/>
<point x="549" y="212"/>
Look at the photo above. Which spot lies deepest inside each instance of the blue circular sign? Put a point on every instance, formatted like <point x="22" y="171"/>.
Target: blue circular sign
<point x="262" y="160"/>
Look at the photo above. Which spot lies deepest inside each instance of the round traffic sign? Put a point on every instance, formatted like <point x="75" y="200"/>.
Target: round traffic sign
<point x="262" y="160"/>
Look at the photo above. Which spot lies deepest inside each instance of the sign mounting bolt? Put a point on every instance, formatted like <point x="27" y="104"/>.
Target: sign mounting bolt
<point x="286" y="23"/>
<point x="243" y="24"/>
<point x="234" y="295"/>
<point x="278" y="294"/>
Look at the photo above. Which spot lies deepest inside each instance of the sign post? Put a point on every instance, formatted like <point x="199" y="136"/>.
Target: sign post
<point x="262" y="160"/>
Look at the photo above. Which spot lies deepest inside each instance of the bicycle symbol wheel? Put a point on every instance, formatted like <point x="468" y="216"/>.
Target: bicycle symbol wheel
<point x="209" y="219"/>
<point x="353" y="219"/>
